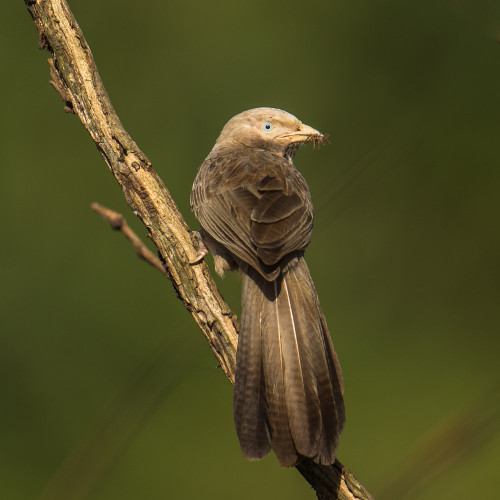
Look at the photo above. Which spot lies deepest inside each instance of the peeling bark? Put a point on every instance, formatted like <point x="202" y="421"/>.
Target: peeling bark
<point x="75" y="77"/>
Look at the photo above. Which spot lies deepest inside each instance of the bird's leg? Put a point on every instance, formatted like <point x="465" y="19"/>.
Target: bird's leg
<point x="223" y="260"/>
<point x="202" y="249"/>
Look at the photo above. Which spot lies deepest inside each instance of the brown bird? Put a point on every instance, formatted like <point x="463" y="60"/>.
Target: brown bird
<point x="256" y="215"/>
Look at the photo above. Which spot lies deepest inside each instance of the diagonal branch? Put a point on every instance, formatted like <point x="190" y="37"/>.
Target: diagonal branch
<point x="75" y="77"/>
<point x="118" y="223"/>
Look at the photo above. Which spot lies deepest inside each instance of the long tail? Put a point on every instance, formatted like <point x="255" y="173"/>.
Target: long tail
<point x="288" y="387"/>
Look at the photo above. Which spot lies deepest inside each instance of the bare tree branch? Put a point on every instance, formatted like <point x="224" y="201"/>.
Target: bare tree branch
<point x="118" y="223"/>
<point x="75" y="77"/>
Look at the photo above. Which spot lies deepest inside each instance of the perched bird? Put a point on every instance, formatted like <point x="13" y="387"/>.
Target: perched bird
<point x="256" y="215"/>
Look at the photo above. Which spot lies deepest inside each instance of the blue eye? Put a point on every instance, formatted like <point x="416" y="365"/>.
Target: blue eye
<point x="267" y="126"/>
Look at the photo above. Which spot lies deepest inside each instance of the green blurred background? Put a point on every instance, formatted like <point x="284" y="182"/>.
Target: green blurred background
<point x="109" y="391"/>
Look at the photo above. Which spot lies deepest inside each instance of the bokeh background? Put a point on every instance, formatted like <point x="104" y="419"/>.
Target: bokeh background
<point x="107" y="388"/>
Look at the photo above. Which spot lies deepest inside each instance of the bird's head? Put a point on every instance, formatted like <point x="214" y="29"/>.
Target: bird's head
<point x="271" y="129"/>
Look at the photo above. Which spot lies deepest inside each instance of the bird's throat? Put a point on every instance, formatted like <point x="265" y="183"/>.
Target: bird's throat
<point x="290" y="150"/>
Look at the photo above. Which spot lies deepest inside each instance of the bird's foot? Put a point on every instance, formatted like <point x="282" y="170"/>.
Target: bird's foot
<point x="202" y="249"/>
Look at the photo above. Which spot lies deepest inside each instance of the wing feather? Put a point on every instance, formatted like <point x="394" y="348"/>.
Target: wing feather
<point x="257" y="205"/>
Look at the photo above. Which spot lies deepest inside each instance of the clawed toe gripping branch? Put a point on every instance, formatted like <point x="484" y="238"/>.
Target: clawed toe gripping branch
<point x="76" y="79"/>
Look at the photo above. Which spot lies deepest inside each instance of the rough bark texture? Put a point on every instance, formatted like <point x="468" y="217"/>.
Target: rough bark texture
<point x="75" y="77"/>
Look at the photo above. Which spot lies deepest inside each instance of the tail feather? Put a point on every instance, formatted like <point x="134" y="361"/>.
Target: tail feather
<point x="249" y="404"/>
<point x="288" y="390"/>
<point x="326" y="371"/>
<point x="301" y="397"/>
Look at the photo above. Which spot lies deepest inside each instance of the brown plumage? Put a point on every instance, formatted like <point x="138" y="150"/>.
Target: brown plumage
<point x="256" y="215"/>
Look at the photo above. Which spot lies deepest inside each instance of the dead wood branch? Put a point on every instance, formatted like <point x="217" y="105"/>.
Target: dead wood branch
<point x="118" y="223"/>
<point x="75" y="77"/>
